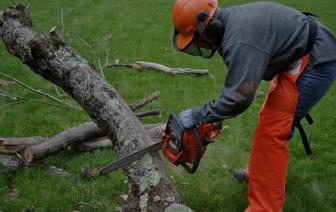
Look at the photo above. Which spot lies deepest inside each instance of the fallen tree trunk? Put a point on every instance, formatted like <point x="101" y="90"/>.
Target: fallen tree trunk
<point x="50" y="57"/>
<point x="92" y="144"/>
<point x="84" y="137"/>
<point x="153" y="131"/>
<point x="62" y="140"/>
<point x="13" y="145"/>
<point x="82" y="141"/>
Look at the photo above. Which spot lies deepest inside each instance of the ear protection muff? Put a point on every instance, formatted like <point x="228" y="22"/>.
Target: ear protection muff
<point x="200" y="45"/>
<point x="214" y="28"/>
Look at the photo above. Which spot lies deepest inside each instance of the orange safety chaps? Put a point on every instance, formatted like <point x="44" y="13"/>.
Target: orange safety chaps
<point x="270" y="154"/>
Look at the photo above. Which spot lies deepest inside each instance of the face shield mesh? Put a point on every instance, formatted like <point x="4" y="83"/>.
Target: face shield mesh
<point x="197" y="46"/>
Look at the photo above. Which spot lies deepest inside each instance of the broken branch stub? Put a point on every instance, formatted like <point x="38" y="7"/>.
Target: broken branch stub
<point x="58" y="63"/>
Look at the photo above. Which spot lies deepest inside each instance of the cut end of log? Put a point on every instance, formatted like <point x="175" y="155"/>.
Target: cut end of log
<point x="28" y="155"/>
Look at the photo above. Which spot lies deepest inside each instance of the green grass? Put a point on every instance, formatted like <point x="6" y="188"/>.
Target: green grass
<point x="141" y="30"/>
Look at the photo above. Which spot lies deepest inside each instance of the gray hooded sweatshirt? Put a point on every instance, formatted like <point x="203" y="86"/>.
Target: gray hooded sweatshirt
<point x="260" y="39"/>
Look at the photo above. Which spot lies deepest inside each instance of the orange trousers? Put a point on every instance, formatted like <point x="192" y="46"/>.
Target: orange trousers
<point x="270" y="154"/>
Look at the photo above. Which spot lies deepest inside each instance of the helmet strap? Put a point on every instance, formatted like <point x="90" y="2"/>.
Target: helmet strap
<point x="197" y="39"/>
<point x="211" y="28"/>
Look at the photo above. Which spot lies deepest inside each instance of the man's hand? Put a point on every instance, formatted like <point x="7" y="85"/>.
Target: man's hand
<point x="186" y="119"/>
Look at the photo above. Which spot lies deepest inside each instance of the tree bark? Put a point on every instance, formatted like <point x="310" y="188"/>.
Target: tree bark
<point x="140" y="103"/>
<point x="154" y="112"/>
<point x="51" y="58"/>
<point x="90" y="145"/>
<point x="13" y="145"/>
<point x="84" y="137"/>
<point x="153" y="131"/>
<point x="62" y="140"/>
<point x="10" y="163"/>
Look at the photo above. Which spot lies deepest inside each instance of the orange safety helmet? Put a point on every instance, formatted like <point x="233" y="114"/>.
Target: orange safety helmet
<point x="186" y="19"/>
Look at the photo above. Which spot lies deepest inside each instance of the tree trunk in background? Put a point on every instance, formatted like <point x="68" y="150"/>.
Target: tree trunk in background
<point x="50" y="57"/>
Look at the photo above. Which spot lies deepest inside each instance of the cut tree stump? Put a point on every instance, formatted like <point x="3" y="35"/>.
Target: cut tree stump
<point x="51" y="58"/>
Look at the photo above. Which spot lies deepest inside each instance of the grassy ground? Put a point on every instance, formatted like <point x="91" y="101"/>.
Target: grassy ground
<point x="141" y="30"/>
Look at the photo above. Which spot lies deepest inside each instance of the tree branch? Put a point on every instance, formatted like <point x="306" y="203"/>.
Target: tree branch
<point x="37" y="91"/>
<point x="149" y="113"/>
<point x="19" y="99"/>
<point x="140" y="103"/>
<point x="142" y="65"/>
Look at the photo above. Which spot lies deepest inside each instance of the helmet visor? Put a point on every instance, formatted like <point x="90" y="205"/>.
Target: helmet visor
<point x="197" y="46"/>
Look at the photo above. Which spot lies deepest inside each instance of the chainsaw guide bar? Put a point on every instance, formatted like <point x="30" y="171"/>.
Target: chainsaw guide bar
<point x="179" y="145"/>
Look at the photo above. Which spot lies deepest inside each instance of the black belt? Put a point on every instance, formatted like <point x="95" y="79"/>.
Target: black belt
<point x="304" y="137"/>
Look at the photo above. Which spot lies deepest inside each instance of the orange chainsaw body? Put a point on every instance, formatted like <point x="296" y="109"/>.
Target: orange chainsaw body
<point x="184" y="149"/>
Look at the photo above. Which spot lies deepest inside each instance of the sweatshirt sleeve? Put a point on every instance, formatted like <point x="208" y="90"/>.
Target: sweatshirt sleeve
<point x="246" y="66"/>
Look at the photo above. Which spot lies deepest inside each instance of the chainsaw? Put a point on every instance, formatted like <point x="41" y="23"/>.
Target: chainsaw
<point x="179" y="145"/>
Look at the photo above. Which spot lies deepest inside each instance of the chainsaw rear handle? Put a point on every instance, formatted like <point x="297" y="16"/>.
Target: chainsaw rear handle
<point x="198" y="155"/>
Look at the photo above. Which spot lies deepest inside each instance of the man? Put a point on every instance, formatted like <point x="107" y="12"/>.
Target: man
<point x="258" y="41"/>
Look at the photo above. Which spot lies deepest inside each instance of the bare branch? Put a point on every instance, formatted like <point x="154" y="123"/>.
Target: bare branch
<point x="58" y="93"/>
<point x="107" y="55"/>
<point x="149" y="113"/>
<point x="15" y="97"/>
<point x="142" y="65"/>
<point x="8" y="95"/>
<point x="138" y="104"/>
<point x="62" y="22"/>
<point x="86" y="43"/>
<point x="38" y="91"/>
<point x="10" y="104"/>
<point x="100" y="68"/>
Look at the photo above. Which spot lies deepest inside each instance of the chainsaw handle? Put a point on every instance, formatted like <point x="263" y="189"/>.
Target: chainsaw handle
<point x="198" y="156"/>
